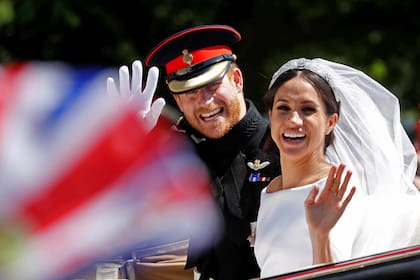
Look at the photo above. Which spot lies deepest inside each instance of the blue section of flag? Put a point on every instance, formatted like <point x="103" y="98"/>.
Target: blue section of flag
<point x="81" y="78"/>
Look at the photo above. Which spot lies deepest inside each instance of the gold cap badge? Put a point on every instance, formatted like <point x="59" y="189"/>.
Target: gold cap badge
<point x="187" y="57"/>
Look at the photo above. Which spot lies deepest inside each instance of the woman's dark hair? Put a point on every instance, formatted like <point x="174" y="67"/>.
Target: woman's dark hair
<point x="320" y="85"/>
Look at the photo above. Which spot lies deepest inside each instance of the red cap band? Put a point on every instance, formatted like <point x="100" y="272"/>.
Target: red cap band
<point x="196" y="56"/>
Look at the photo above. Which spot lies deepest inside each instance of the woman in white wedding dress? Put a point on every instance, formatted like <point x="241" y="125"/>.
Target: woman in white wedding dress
<point x="346" y="188"/>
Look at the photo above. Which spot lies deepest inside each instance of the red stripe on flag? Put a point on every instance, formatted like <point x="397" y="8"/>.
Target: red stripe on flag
<point x="8" y="77"/>
<point x="122" y="145"/>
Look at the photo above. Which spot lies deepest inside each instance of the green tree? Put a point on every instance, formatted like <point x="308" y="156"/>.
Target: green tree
<point x="379" y="37"/>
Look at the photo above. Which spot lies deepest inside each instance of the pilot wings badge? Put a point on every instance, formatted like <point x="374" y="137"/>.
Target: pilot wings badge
<point x="256" y="176"/>
<point x="257" y="164"/>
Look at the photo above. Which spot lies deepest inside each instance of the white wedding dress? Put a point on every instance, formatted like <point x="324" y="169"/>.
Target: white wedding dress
<point x="371" y="224"/>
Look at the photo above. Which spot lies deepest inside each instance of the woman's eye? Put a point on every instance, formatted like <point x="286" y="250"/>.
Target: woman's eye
<point x="282" y="108"/>
<point x="308" y="110"/>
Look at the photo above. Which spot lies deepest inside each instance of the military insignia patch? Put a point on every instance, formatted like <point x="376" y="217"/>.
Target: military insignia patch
<point x="256" y="177"/>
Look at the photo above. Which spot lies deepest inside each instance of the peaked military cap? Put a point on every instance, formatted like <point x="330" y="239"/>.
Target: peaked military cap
<point x="195" y="57"/>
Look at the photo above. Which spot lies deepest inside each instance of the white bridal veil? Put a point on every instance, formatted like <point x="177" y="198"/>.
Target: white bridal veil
<point x="369" y="136"/>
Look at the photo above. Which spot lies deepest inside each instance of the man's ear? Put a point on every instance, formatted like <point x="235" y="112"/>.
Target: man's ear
<point x="238" y="79"/>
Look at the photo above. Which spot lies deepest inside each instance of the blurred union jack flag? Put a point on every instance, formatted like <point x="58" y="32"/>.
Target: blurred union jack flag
<point x="80" y="180"/>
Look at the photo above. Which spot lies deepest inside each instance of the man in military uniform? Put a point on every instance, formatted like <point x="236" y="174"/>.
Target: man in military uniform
<point x="228" y="133"/>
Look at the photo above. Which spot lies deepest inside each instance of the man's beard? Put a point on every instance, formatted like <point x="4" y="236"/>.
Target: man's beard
<point x="232" y="117"/>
